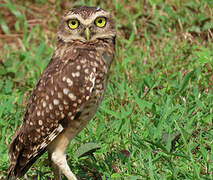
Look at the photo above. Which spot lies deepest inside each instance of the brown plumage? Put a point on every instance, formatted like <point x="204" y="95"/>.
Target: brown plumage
<point x="68" y="92"/>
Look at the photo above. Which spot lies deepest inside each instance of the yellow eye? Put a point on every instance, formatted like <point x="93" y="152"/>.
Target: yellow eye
<point x="73" y="23"/>
<point x="100" y="21"/>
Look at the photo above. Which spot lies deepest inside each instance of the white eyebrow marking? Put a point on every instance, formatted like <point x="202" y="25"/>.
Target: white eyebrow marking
<point x="88" y="20"/>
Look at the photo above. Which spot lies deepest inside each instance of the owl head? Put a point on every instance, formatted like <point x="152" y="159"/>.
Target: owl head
<point x="86" y="24"/>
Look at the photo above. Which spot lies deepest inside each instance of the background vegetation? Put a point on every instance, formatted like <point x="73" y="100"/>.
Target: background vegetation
<point x="156" y="118"/>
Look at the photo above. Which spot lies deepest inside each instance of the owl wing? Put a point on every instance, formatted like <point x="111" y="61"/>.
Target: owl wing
<point x="65" y="85"/>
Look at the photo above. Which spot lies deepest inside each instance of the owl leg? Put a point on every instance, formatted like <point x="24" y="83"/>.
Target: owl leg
<point x="59" y="162"/>
<point x="57" y="150"/>
<point x="55" y="169"/>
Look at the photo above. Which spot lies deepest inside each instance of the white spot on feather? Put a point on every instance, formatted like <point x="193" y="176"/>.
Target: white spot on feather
<point x="50" y="106"/>
<point x="65" y="102"/>
<point x="38" y="113"/>
<point x="76" y="74"/>
<point x="65" y="91"/>
<point x="44" y="104"/>
<point x="61" y="108"/>
<point x="55" y="101"/>
<point x="69" y="82"/>
<point x="78" y="67"/>
<point x="72" y="96"/>
<point x="75" y="104"/>
<point x="60" y="95"/>
<point x="40" y="122"/>
<point x="47" y="97"/>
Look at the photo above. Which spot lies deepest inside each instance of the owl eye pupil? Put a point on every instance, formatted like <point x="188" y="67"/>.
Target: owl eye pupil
<point x="73" y="24"/>
<point x="100" y="22"/>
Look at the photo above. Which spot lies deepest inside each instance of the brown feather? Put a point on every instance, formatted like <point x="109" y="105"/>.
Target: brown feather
<point x="67" y="94"/>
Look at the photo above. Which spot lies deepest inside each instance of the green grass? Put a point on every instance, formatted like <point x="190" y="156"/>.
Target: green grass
<point x="156" y="118"/>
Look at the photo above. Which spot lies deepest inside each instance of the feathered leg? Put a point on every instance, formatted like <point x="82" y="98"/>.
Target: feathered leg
<point x="58" y="157"/>
<point x="55" y="169"/>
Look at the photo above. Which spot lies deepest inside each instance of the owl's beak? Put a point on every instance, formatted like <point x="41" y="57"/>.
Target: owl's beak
<point x="87" y="34"/>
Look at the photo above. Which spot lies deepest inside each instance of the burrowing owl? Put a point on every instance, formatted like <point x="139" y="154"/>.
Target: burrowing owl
<point x="68" y="92"/>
